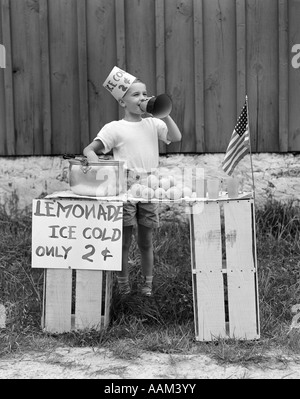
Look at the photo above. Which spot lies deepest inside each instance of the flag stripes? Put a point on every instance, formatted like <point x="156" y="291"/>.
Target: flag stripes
<point x="239" y="144"/>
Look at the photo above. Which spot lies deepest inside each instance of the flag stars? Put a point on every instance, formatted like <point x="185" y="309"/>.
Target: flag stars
<point x="242" y="122"/>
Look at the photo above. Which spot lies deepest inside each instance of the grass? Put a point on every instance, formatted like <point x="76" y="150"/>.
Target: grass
<point x="164" y="323"/>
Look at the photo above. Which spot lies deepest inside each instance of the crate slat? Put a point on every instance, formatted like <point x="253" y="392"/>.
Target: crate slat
<point x="209" y="304"/>
<point x="57" y="300"/>
<point x="108" y="297"/>
<point x="241" y="270"/>
<point x="207" y="239"/>
<point x="2" y="316"/>
<point x="242" y="306"/>
<point x="238" y="236"/>
<point x="88" y="303"/>
<point x="208" y="288"/>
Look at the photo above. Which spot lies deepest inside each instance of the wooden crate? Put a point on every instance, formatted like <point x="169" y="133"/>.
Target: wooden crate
<point x="224" y="271"/>
<point x="78" y="299"/>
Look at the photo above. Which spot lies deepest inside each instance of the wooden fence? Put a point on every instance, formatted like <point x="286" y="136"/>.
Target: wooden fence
<point x="207" y="54"/>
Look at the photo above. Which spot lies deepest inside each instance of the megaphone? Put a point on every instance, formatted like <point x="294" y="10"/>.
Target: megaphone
<point x="159" y="106"/>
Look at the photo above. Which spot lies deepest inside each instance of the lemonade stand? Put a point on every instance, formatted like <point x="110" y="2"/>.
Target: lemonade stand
<point x="79" y="231"/>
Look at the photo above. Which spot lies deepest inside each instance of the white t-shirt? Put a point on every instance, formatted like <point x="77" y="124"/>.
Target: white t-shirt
<point x="135" y="143"/>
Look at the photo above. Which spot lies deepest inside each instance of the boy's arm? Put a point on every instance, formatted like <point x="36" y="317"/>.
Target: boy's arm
<point x="174" y="133"/>
<point x="92" y="149"/>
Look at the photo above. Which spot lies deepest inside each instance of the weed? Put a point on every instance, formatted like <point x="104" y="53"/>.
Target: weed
<point x="163" y="323"/>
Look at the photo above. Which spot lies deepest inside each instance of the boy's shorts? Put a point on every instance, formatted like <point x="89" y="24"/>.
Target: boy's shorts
<point x="144" y="213"/>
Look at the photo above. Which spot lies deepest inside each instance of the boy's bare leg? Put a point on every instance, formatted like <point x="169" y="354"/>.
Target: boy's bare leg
<point x="123" y="276"/>
<point x="146" y="248"/>
<point x="127" y="238"/>
<point x="145" y="244"/>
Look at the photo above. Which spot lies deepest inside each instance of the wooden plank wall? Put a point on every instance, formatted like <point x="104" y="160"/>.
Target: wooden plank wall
<point x="207" y="54"/>
<point x="294" y="76"/>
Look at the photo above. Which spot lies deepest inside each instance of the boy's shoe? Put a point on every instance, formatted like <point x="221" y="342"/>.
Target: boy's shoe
<point x="146" y="290"/>
<point x="123" y="285"/>
<point x="124" y="289"/>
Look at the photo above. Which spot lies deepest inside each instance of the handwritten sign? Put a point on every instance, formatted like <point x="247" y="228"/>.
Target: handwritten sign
<point x="118" y="82"/>
<point x="84" y="234"/>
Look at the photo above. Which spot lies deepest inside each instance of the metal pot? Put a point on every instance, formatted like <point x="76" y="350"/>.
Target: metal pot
<point x="100" y="179"/>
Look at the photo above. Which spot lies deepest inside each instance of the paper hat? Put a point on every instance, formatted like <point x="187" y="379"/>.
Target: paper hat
<point x="118" y="82"/>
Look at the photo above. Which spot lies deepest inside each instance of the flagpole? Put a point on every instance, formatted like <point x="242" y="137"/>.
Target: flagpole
<point x="253" y="185"/>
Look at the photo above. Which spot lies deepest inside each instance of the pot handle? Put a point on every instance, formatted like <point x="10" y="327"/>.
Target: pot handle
<point x="82" y="159"/>
<point x="69" y="156"/>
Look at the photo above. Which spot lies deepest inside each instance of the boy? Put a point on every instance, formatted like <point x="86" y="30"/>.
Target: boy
<point x="134" y="140"/>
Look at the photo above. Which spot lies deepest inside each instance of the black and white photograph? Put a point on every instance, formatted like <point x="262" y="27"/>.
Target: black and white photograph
<point x="149" y="192"/>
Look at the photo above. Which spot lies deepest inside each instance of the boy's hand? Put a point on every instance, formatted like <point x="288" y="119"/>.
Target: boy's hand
<point x="90" y="152"/>
<point x="92" y="157"/>
<point x="174" y="133"/>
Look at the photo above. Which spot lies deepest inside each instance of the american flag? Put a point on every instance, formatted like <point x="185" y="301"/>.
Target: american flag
<point x="239" y="144"/>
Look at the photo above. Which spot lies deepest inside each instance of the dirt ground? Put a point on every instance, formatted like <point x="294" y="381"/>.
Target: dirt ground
<point x="91" y="363"/>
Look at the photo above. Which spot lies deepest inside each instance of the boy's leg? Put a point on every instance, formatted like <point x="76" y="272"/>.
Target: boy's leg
<point x="145" y="244"/>
<point x="127" y="238"/>
<point x="123" y="276"/>
<point x="146" y="248"/>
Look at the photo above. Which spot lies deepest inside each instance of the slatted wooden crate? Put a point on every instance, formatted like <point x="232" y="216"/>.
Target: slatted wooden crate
<point x="79" y="300"/>
<point x="224" y="271"/>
